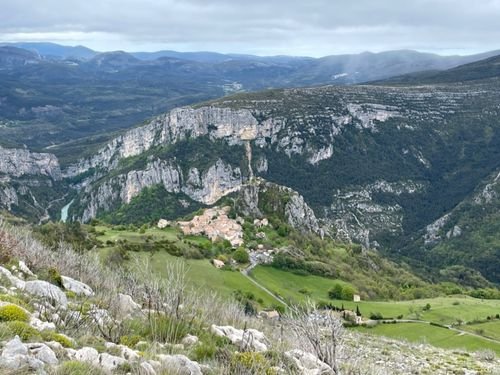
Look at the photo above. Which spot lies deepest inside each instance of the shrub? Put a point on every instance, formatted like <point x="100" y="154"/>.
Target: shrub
<point x="24" y="331"/>
<point x="376" y="316"/>
<point x="255" y="362"/>
<point x="336" y="291"/>
<point x="166" y="329"/>
<point x="5" y="332"/>
<point x="48" y="335"/>
<point x="54" y="277"/>
<point x="241" y="256"/>
<point x="130" y="341"/>
<point x="204" y="351"/>
<point x="78" y="368"/>
<point x="15" y="301"/>
<point x="10" y="313"/>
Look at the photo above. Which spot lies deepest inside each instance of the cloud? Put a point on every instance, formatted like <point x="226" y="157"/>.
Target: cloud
<point x="313" y="27"/>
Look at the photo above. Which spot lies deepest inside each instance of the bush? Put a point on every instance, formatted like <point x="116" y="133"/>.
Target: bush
<point x="15" y="301"/>
<point x="130" y="341"/>
<point x="24" y="331"/>
<point x="241" y="256"/>
<point x="376" y="316"/>
<point x="78" y="368"/>
<point x="10" y="313"/>
<point x="57" y="337"/>
<point x="336" y="291"/>
<point x="241" y="363"/>
<point x="55" y="277"/>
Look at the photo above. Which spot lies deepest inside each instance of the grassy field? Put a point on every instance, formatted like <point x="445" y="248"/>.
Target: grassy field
<point x="436" y="336"/>
<point x="200" y="272"/>
<point x="443" y="310"/>
<point x="489" y="329"/>
<point x="292" y="287"/>
<point x="298" y="288"/>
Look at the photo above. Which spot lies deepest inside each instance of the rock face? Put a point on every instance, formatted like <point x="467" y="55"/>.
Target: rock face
<point x="358" y="216"/>
<point x="295" y="211"/>
<point x="23" y="174"/>
<point x="19" y="162"/>
<point x="206" y="187"/>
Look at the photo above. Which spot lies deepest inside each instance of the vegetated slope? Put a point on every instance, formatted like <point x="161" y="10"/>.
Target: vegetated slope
<point x="73" y="99"/>
<point x="377" y="164"/>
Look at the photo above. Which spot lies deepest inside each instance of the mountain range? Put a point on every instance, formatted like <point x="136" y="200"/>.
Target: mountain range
<point x="407" y="165"/>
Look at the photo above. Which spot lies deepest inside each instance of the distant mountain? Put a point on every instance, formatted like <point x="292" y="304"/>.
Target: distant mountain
<point x="53" y="50"/>
<point x="13" y="57"/>
<point x="72" y="97"/>
<point x="483" y="69"/>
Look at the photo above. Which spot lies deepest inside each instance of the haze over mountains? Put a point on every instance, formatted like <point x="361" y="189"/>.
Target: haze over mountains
<point x="54" y="94"/>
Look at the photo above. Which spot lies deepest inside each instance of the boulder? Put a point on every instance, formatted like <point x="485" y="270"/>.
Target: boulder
<point x="86" y="354"/>
<point x="24" y="269"/>
<point x="308" y="363"/>
<point x="126" y="305"/>
<point x="43" y="353"/>
<point x="180" y="364"/>
<point x="46" y="290"/>
<point x="110" y="362"/>
<point x="189" y="340"/>
<point x="14" y="347"/>
<point x="162" y="223"/>
<point x="14" y="281"/>
<point x="249" y="339"/>
<point x="76" y="286"/>
<point x="15" y="356"/>
<point x="147" y="369"/>
<point x="40" y="325"/>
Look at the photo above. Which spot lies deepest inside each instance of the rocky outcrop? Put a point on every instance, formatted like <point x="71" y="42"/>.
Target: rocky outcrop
<point x="77" y="287"/>
<point x="358" y="216"/>
<point x="244" y="339"/>
<point x="296" y="211"/>
<point x="20" y="162"/>
<point x="206" y="187"/>
<point x="46" y="290"/>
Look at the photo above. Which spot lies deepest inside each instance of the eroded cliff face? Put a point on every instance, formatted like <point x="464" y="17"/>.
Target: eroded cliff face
<point x="20" y="162"/>
<point x="28" y="182"/>
<point x="206" y="187"/>
<point x="358" y="216"/>
<point x="253" y="199"/>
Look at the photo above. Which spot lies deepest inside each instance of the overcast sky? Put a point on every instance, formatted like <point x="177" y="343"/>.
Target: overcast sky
<point x="264" y="27"/>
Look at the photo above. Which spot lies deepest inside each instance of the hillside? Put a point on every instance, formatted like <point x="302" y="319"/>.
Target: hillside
<point x="64" y="312"/>
<point x="72" y="100"/>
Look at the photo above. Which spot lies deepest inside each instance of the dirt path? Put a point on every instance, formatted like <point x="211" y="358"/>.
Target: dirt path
<point x="245" y="273"/>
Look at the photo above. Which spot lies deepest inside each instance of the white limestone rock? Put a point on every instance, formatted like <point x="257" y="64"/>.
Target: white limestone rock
<point x="308" y="363"/>
<point x="44" y="289"/>
<point x="180" y="364"/>
<point x="76" y="286"/>
<point x="249" y="339"/>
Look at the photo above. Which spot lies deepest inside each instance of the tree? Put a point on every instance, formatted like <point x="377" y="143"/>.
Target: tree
<point x="241" y="256"/>
<point x="336" y="291"/>
<point x="358" y="313"/>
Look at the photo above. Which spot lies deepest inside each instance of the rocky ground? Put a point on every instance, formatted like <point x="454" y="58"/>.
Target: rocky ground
<point x="62" y="313"/>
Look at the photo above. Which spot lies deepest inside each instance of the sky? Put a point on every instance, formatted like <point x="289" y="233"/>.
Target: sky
<point x="262" y="27"/>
